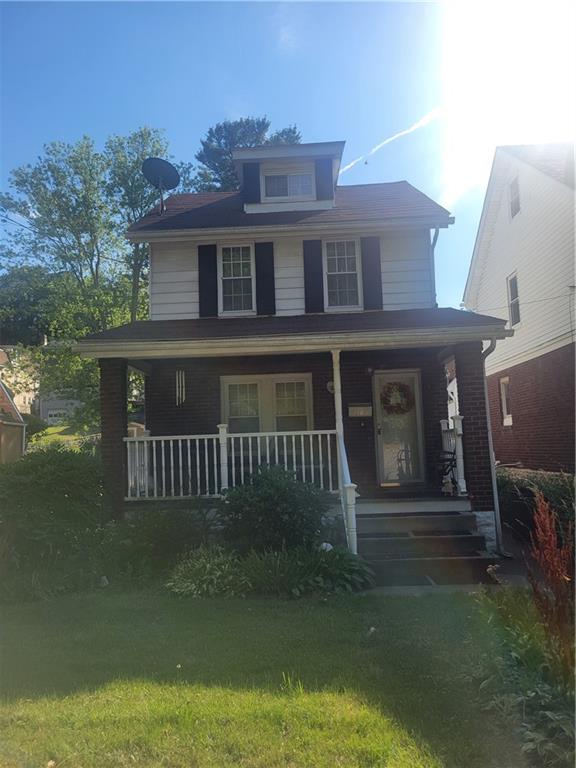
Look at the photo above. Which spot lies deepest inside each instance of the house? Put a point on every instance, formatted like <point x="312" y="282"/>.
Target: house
<point x="12" y="428"/>
<point x="522" y="270"/>
<point x="55" y="409"/>
<point x="295" y="322"/>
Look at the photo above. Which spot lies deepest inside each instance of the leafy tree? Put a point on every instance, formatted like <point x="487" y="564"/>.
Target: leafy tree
<point x="26" y="309"/>
<point x="215" y="156"/>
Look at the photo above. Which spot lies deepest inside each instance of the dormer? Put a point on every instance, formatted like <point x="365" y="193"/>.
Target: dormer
<point x="288" y="177"/>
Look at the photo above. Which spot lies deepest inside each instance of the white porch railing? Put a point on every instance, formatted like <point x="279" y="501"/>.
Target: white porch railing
<point x="452" y="443"/>
<point x="204" y="465"/>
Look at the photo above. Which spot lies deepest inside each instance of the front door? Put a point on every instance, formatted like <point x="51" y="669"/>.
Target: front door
<point x="398" y="425"/>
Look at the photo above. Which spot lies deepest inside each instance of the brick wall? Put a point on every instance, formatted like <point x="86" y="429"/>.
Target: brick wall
<point x="472" y="402"/>
<point x="200" y="413"/>
<point x="541" y="395"/>
<point x="114" y="424"/>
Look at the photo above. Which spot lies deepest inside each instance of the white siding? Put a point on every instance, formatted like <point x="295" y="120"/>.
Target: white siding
<point x="538" y="245"/>
<point x="407" y="275"/>
<point x="173" y="281"/>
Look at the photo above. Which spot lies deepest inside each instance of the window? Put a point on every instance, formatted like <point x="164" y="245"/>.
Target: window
<point x="269" y="403"/>
<point x="180" y="386"/>
<point x="342" y="287"/>
<point x="514" y="190"/>
<point x="237" y="279"/>
<point x="505" y="401"/>
<point x="513" y="300"/>
<point x="291" y="185"/>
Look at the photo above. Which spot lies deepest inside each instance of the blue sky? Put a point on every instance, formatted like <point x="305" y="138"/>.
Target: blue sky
<point x="355" y="71"/>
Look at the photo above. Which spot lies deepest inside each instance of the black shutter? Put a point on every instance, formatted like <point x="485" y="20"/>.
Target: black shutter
<point x="313" y="280"/>
<point x="324" y="180"/>
<point x="371" y="272"/>
<point x="207" y="281"/>
<point x="265" y="288"/>
<point x="251" y="186"/>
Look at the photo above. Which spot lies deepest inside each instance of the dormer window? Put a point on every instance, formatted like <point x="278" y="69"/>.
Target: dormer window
<point x="288" y="186"/>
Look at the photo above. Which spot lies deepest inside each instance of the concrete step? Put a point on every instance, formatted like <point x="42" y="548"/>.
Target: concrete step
<point x="412" y="505"/>
<point x="413" y="522"/>
<point x="376" y="548"/>
<point x="458" y="569"/>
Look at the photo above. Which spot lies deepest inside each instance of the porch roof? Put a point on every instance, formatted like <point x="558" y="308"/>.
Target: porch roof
<point x="208" y="337"/>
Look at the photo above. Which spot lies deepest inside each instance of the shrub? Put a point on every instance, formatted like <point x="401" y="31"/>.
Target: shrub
<point x="34" y="424"/>
<point x="274" y="511"/>
<point x="302" y="571"/>
<point x="528" y="689"/>
<point x="208" y="571"/>
<point x="517" y="489"/>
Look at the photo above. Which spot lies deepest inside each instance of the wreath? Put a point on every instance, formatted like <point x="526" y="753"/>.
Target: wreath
<point x="396" y="398"/>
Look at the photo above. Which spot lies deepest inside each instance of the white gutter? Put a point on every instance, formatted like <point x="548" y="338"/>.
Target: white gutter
<point x="290" y="344"/>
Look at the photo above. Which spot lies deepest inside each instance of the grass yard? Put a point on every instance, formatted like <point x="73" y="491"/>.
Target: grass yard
<point x="145" y="679"/>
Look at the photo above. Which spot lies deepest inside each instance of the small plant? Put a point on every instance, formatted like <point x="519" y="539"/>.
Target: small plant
<point x="274" y="511"/>
<point x="208" y="571"/>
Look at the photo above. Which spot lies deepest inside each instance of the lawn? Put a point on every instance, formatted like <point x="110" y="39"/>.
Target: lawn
<point x="145" y="679"/>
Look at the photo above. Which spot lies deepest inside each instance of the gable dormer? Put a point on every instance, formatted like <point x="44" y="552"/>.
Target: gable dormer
<point x="295" y="177"/>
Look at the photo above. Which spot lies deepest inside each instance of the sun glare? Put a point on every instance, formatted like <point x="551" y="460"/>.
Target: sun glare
<point x="508" y="78"/>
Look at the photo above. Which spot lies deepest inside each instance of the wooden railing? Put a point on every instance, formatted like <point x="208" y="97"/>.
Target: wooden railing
<point x="204" y="465"/>
<point x="452" y="444"/>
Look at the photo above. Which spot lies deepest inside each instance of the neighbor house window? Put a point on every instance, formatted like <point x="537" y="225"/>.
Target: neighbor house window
<point x="505" y="401"/>
<point x="514" y="190"/>
<point x="342" y="283"/>
<point x="237" y="284"/>
<point x="288" y="185"/>
<point x="180" y="386"/>
<point x="513" y="300"/>
<point x="268" y="403"/>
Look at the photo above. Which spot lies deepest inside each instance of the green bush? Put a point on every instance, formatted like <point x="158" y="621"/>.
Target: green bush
<point x="274" y="511"/>
<point x="302" y="571"/>
<point x="529" y="688"/>
<point x="34" y="424"/>
<point x="208" y="571"/>
<point x="516" y="492"/>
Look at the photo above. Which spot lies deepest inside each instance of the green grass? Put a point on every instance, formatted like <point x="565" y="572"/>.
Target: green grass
<point x="146" y="679"/>
<point x="60" y="433"/>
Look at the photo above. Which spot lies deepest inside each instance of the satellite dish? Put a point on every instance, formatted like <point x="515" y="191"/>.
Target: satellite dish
<point x="162" y="175"/>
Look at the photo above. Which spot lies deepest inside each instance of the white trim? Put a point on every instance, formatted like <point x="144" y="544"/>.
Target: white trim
<point x="392" y="373"/>
<point x="292" y="343"/>
<point x="358" y="256"/>
<point x="513" y="276"/>
<point x="308" y="205"/>
<point x="236" y="313"/>
<point x="267" y="411"/>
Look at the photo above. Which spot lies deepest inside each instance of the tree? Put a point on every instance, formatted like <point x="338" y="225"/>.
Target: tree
<point x="215" y="156"/>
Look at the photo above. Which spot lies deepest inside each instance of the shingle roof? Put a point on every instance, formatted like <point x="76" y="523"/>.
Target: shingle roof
<point x="8" y="410"/>
<point x="555" y="160"/>
<point x="362" y="203"/>
<point x="245" y="327"/>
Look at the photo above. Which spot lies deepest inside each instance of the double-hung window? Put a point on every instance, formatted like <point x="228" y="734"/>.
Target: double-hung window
<point x="505" y="402"/>
<point x="237" y="280"/>
<point x="342" y="275"/>
<point x="288" y="185"/>
<point x="514" y="192"/>
<point x="268" y="403"/>
<point x="513" y="300"/>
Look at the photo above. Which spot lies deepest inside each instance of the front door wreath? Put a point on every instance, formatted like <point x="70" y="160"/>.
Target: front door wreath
<point x="396" y="398"/>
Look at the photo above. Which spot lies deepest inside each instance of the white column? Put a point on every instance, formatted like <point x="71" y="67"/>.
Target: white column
<point x="337" y="391"/>
<point x="460" y="478"/>
<point x="223" y="437"/>
<point x="350" y="512"/>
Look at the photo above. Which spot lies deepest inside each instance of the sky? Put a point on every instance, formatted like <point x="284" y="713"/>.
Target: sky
<point x="450" y="81"/>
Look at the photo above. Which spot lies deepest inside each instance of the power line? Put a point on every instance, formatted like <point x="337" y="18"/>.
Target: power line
<point x="523" y="303"/>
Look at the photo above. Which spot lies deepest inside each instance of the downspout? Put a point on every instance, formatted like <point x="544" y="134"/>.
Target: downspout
<point x="497" y="520"/>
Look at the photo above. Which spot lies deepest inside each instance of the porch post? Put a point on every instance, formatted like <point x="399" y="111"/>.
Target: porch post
<point x="114" y="427"/>
<point x="460" y="471"/>
<point x="337" y="391"/>
<point x="223" y="436"/>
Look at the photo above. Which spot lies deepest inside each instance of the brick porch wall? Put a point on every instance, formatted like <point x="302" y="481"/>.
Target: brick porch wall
<point x="471" y="399"/>
<point x="542" y="405"/>
<point x="114" y="425"/>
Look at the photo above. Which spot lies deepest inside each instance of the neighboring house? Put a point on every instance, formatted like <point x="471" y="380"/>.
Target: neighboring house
<point x="295" y="323"/>
<point x="12" y="428"/>
<point x="522" y="270"/>
<point x="55" y="409"/>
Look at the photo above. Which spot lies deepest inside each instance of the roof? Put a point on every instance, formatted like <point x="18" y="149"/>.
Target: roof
<point x="301" y="325"/>
<point x="355" y="203"/>
<point x="8" y="411"/>
<point x="555" y="160"/>
<point x="278" y="151"/>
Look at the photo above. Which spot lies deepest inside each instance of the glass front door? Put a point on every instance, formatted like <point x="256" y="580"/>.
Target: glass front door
<point x="398" y="425"/>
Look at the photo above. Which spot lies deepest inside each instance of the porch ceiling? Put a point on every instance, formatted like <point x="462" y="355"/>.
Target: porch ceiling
<point x="217" y="337"/>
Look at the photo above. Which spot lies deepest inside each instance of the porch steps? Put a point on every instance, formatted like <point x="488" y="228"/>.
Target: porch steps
<point x="421" y="541"/>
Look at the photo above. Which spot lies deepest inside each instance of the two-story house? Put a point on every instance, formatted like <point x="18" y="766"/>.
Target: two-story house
<point x="295" y="322"/>
<point x="522" y="270"/>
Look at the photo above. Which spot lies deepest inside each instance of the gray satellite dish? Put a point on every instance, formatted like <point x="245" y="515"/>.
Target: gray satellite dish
<point x="162" y="175"/>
